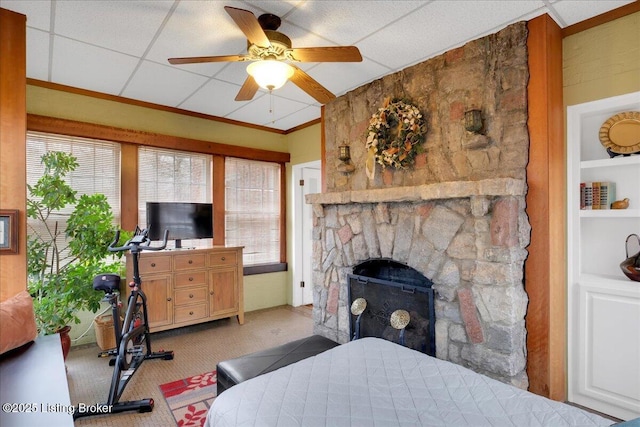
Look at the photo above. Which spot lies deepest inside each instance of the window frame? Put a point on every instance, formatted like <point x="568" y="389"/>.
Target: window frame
<point x="131" y="139"/>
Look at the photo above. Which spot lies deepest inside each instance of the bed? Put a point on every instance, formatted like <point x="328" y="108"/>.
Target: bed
<point x="374" y="382"/>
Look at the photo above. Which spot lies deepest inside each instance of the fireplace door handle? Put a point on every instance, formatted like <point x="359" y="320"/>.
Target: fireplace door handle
<point x="408" y="290"/>
<point x="364" y="281"/>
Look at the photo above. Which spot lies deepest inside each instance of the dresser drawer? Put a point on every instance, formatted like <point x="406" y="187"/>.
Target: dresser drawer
<point x="192" y="278"/>
<point x="189" y="313"/>
<point x="223" y="258"/>
<point x="191" y="296"/>
<point x="154" y="264"/>
<point x="189" y="261"/>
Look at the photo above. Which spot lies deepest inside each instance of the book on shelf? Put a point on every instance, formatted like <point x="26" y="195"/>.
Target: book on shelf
<point x="597" y="195"/>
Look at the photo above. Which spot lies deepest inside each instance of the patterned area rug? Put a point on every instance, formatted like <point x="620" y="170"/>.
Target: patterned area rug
<point x="189" y="399"/>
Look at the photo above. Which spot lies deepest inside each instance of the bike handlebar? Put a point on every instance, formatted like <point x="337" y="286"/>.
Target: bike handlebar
<point x="140" y="241"/>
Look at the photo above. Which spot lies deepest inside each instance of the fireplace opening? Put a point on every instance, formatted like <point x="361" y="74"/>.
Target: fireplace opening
<point x="387" y="286"/>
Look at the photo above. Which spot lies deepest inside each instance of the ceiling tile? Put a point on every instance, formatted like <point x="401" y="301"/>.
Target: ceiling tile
<point x="199" y="28"/>
<point x="89" y="67"/>
<point x="37" y="54"/>
<point x="131" y="25"/>
<point x="38" y="12"/>
<point x="162" y="84"/>
<point x="404" y="44"/>
<point x="305" y="115"/>
<point x="335" y="19"/>
<point x="266" y="111"/>
<point x="215" y="98"/>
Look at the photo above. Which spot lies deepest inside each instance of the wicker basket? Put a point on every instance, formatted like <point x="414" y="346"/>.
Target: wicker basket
<point x="105" y="334"/>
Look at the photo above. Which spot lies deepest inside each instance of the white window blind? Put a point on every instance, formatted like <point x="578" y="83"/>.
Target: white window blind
<point x="173" y="176"/>
<point x="98" y="169"/>
<point x="252" y="197"/>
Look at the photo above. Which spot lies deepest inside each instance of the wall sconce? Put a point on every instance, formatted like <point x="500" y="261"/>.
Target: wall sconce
<point x="344" y="155"/>
<point x="473" y="121"/>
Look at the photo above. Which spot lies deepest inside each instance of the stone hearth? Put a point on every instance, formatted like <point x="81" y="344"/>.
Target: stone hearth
<point x="468" y="237"/>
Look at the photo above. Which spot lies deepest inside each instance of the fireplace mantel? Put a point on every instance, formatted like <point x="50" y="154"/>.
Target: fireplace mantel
<point x="436" y="191"/>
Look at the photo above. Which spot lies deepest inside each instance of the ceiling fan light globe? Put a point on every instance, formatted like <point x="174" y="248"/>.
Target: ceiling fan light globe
<point x="270" y="74"/>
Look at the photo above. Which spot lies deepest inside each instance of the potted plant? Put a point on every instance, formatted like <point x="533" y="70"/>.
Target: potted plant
<point x="66" y="246"/>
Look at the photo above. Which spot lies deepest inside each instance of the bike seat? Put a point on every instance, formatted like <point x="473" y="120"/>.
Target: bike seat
<point x="106" y="282"/>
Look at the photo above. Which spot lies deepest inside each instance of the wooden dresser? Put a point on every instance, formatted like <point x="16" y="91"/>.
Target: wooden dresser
<point x="189" y="286"/>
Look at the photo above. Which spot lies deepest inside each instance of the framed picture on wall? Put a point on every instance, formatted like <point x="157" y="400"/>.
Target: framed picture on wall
<point x="8" y="231"/>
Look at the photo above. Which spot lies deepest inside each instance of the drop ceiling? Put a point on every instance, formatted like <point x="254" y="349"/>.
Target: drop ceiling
<point x="121" y="47"/>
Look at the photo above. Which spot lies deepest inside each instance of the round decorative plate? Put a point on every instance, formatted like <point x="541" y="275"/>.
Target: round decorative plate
<point x="621" y="133"/>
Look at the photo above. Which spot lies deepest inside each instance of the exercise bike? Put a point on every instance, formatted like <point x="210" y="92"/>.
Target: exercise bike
<point x="133" y="339"/>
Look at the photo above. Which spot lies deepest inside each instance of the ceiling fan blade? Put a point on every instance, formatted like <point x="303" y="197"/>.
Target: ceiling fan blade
<point x="201" y="59"/>
<point x="327" y="54"/>
<point x="312" y="87"/>
<point x="248" y="90"/>
<point x="249" y="25"/>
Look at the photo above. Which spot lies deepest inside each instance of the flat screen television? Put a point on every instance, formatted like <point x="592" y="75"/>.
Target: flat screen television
<point x="183" y="220"/>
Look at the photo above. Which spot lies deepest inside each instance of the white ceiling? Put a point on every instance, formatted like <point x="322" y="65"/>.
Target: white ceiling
<point x="121" y="47"/>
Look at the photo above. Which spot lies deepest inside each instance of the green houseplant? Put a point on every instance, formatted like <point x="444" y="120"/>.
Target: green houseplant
<point x="66" y="245"/>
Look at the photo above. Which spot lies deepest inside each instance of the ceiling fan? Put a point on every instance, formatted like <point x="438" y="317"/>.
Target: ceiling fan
<point x="271" y="53"/>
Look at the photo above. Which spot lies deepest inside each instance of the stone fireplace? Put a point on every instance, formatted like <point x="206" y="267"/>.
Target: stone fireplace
<point x="456" y="215"/>
<point x="468" y="238"/>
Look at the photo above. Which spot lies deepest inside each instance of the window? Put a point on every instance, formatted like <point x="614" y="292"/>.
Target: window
<point x="98" y="168"/>
<point x="173" y="176"/>
<point x="252" y="197"/>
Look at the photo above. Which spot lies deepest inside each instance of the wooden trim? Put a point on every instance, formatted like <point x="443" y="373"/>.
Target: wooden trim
<point x="13" y="107"/>
<point x="129" y="187"/>
<point x="218" y="198"/>
<point x="110" y="133"/>
<point x="283" y="213"/>
<point x="323" y="152"/>
<point x="603" y="18"/>
<point x="137" y="103"/>
<point x="150" y="105"/>
<point x="545" y="267"/>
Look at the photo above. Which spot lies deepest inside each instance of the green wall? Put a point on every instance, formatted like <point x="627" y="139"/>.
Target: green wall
<point x="260" y="291"/>
<point x="603" y="61"/>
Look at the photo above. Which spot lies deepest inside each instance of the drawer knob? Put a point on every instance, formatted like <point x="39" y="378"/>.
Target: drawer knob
<point x="191" y="279"/>
<point x="190" y="295"/>
<point x="210" y="292"/>
<point x="223" y="258"/>
<point x="191" y="313"/>
<point x="169" y="299"/>
<point x="153" y="264"/>
<point x="190" y="261"/>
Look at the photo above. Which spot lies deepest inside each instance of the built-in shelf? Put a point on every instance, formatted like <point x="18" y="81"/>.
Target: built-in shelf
<point x="612" y="162"/>
<point x="611" y="213"/>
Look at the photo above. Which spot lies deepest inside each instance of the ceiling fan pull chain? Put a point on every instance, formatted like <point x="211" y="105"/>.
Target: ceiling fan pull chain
<point x="271" y="106"/>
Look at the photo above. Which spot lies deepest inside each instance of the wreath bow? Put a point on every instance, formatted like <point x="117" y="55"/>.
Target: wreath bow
<point x="394" y="134"/>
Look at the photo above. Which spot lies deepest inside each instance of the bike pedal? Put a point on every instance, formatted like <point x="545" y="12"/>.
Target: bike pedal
<point x="168" y="355"/>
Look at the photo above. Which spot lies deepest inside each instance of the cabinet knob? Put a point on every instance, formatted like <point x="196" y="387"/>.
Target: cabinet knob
<point x="169" y="299"/>
<point x="223" y="258"/>
<point x="191" y="313"/>
<point x="190" y="295"/>
<point x="191" y="279"/>
<point x="210" y="292"/>
<point x="153" y="264"/>
<point x="190" y="261"/>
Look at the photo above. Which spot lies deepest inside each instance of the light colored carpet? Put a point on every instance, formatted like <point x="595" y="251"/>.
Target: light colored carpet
<point x="197" y="349"/>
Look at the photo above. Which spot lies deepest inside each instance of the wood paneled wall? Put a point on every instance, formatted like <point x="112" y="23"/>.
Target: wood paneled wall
<point x="13" y="125"/>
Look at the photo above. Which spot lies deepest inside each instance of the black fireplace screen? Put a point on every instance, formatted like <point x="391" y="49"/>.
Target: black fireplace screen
<point x="387" y="286"/>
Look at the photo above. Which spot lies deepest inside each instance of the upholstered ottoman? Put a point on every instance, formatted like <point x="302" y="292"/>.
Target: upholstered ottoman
<point x="234" y="371"/>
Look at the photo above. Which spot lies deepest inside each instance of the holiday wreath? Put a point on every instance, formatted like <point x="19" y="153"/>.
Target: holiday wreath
<point x="394" y="133"/>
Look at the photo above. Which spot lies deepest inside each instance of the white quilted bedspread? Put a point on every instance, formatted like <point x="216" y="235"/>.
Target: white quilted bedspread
<point x="373" y="382"/>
